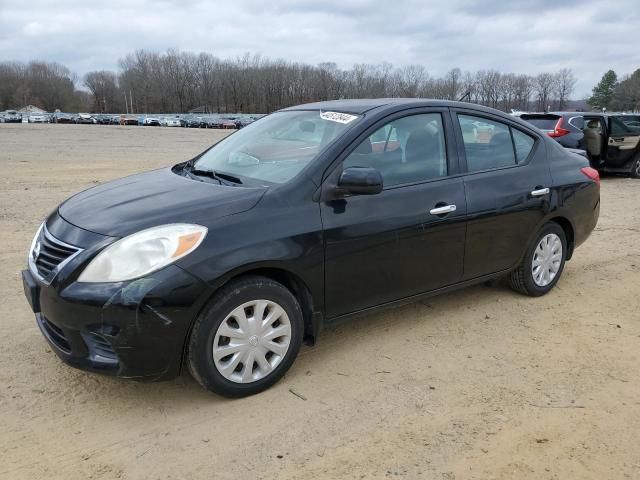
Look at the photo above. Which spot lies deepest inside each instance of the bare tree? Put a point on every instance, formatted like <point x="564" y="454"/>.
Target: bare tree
<point x="545" y="84"/>
<point x="565" y="83"/>
<point x="104" y="89"/>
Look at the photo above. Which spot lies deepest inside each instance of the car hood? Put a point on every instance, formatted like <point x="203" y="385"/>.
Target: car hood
<point x="158" y="197"/>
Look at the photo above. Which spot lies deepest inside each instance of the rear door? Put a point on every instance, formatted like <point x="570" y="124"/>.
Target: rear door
<point x="622" y="143"/>
<point x="507" y="184"/>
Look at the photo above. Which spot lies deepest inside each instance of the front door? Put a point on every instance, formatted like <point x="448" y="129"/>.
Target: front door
<point x="409" y="238"/>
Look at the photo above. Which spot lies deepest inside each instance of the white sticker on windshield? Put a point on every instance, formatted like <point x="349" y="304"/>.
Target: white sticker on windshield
<point x="338" y="117"/>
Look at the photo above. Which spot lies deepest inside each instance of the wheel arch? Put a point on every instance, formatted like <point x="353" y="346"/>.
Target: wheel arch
<point x="569" y="233"/>
<point x="298" y="287"/>
<point x="310" y="303"/>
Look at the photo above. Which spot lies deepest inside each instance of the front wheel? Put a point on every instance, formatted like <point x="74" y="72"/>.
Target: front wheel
<point x="246" y="338"/>
<point x="542" y="264"/>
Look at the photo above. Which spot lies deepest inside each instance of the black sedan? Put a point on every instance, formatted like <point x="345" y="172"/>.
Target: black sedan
<point x="228" y="262"/>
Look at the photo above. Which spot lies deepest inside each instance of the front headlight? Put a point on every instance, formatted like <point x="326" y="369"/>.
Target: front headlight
<point x="143" y="252"/>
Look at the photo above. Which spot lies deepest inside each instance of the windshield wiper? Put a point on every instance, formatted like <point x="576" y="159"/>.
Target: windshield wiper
<point x="220" y="176"/>
<point x="227" y="176"/>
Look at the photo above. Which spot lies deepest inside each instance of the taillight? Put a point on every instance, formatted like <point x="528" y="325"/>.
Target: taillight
<point x="558" y="130"/>
<point x="592" y="173"/>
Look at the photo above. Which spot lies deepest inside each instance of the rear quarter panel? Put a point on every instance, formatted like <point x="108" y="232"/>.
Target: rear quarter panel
<point x="574" y="196"/>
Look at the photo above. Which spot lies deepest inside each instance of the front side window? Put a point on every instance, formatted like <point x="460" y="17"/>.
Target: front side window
<point x="277" y="147"/>
<point x="407" y="150"/>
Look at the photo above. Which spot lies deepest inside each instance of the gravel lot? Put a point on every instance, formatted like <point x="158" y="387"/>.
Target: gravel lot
<point x="479" y="384"/>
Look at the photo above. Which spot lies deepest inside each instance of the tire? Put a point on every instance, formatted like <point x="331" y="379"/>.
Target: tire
<point x="232" y="311"/>
<point x="635" y="168"/>
<point x="523" y="280"/>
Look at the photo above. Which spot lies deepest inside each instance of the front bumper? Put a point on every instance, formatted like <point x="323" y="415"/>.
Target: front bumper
<point x="135" y="329"/>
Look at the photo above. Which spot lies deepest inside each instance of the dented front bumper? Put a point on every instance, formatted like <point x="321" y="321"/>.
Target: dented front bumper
<point x="136" y="329"/>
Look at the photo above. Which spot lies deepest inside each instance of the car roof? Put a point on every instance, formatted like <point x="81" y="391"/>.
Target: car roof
<point x="607" y="114"/>
<point x="363" y="105"/>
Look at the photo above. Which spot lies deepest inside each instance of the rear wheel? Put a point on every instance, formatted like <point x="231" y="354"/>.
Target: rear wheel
<point x="542" y="264"/>
<point x="247" y="338"/>
<point x="635" y="169"/>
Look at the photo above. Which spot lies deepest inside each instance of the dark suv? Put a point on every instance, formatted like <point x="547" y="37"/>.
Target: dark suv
<point x="612" y="145"/>
<point x="630" y="120"/>
<point x="612" y="141"/>
<point x="565" y="127"/>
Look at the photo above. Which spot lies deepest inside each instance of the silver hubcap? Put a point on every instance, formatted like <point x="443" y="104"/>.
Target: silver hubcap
<point x="547" y="259"/>
<point x="251" y="341"/>
<point x="638" y="167"/>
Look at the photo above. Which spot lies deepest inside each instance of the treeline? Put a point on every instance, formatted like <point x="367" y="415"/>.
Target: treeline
<point x="174" y="81"/>
<point x="181" y="81"/>
<point x="623" y="95"/>
<point x="46" y="85"/>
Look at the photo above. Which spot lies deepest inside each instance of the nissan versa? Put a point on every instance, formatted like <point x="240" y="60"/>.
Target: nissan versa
<point x="228" y="262"/>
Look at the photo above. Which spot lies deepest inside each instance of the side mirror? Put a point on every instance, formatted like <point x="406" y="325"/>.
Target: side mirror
<point x="361" y="181"/>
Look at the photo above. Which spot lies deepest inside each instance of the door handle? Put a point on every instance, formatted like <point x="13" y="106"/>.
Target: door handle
<point x="540" y="192"/>
<point x="442" y="210"/>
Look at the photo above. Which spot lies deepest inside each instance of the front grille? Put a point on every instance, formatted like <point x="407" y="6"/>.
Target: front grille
<point x="55" y="334"/>
<point x="51" y="254"/>
<point x="99" y="348"/>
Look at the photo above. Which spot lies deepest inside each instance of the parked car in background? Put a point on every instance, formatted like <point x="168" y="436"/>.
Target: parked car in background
<point x="195" y="122"/>
<point x="85" y="119"/>
<point x="103" y="119"/>
<point x="128" y="120"/>
<point x="316" y="213"/>
<point x="60" y="117"/>
<point x="38" y="118"/>
<point x="565" y="127"/>
<point x="612" y="145"/>
<point x="228" y="123"/>
<point x="214" y="123"/>
<point x="151" y="122"/>
<point x="170" y="122"/>
<point x="11" y="116"/>
<point x="630" y="120"/>
<point x="243" y="122"/>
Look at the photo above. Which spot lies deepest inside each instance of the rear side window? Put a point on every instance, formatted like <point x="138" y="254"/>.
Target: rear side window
<point x="523" y="144"/>
<point x="489" y="144"/>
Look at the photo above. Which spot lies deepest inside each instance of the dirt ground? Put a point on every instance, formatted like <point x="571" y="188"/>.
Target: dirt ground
<point x="478" y="384"/>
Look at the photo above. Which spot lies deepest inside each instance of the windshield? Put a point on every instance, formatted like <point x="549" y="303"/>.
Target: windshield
<point x="277" y="147"/>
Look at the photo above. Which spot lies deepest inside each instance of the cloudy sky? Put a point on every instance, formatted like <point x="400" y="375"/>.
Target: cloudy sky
<point x="588" y="36"/>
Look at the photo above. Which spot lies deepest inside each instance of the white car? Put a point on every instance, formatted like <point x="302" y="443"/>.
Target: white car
<point x="170" y="122"/>
<point x="152" y="121"/>
<point x="38" y="118"/>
